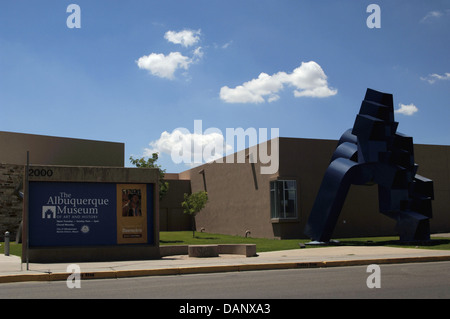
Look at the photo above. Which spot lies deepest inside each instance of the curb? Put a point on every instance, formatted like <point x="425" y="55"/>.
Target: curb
<point x="115" y="274"/>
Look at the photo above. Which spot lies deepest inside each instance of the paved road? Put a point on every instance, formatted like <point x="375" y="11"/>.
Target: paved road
<point x="418" y="280"/>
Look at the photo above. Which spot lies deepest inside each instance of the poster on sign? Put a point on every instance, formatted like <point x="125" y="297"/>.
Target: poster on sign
<point x="131" y="213"/>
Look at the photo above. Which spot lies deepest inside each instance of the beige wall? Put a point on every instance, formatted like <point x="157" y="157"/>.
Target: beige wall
<point x="49" y="150"/>
<point x="236" y="202"/>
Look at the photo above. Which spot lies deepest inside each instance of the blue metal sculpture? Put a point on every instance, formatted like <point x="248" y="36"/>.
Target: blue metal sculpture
<point x="374" y="153"/>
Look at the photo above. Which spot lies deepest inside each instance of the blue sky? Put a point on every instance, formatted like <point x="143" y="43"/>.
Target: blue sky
<point x="136" y="69"/>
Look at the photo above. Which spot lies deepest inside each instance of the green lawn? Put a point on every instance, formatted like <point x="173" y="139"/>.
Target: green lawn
<point x="14" y="249"/>
<point x="263" y="245"/>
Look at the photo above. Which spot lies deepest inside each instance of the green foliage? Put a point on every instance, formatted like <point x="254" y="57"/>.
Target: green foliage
<point x="193" y="204"/>
<point x="151" y="163"/>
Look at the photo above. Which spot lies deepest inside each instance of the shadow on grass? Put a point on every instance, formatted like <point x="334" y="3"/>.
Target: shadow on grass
<point x="171" y="241"/>
<point x="182" y="241"/>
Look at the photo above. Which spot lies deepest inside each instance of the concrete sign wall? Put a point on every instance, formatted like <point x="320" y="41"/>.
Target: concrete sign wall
<point x="88" y="213"/>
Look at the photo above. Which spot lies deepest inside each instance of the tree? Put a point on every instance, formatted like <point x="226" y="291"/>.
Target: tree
<point x="193" y="204"/>
<point x="151" y="163"/>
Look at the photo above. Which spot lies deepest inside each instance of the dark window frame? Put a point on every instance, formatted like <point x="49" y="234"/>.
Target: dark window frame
<point x="283" y="199"/>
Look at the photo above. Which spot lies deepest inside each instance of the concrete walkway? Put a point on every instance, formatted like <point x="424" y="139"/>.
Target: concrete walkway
<point x="12" y="270"/>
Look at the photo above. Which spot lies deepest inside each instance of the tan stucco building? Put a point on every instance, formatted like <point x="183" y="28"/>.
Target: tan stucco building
<point x="242" y="200"/>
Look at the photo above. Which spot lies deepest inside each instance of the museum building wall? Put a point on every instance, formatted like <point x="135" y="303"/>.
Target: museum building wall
<point x="240" y="196"/>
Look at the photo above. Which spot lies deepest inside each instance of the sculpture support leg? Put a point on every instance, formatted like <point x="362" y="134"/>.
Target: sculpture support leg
<point x="331" y="197"/>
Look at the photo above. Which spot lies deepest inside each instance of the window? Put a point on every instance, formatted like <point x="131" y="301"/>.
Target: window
<point x="283" y="199"/>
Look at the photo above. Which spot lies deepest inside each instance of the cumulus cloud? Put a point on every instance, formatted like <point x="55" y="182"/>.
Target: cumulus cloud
<point x="407" y="109"/>
<point x="253" y="91"/>
<point x="431" y="78"/>
<point x="164" y="66"/>
<point x="186" y="37"/>
<point x="190" y="148"/>
<point x="308" y="80"/>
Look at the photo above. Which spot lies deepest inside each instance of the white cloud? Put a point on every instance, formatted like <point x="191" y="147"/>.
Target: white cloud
<point x="198" y="54"/>
<point x="222" y="46"/>
<point x="309" y="80"/>
<point x="431" y="78"/>
<point x="431" y="16"/>
<point x="190" y="148"/>
<point x="254" y="90"/>
<point x="407" y="109"/>
<point x="164" y="66"/>
<point x="185" y="37"/>
<point x="226" y="45"/>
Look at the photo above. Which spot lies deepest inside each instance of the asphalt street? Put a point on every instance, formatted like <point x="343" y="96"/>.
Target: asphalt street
<point x="412" y="280"/>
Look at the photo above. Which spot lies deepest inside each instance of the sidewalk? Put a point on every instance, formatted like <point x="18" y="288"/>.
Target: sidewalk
<point x="11" y="269"/>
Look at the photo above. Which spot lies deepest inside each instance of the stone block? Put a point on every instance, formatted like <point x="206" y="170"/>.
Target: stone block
<point x="203" y="251"/>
